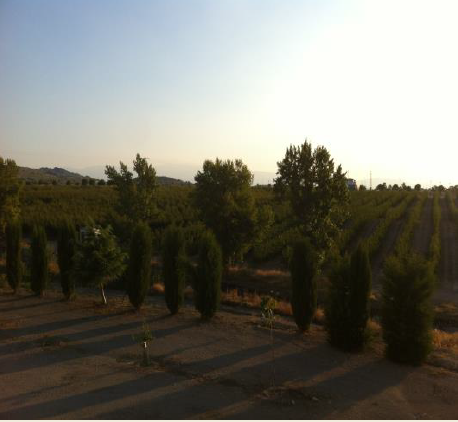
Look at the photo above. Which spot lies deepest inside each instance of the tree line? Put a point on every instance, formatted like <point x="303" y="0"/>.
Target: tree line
<point x="318" y="198"/>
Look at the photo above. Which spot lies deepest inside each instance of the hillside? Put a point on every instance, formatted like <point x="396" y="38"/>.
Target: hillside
<point x="62" y="176"/>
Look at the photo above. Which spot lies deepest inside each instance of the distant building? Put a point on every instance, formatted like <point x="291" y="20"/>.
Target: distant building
<point x="351" y="184"/>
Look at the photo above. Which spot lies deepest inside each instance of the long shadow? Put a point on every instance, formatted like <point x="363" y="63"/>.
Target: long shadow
<point x="92" y="348"/>
<point x="15" y="298"/>
<point x="32" y="305"/>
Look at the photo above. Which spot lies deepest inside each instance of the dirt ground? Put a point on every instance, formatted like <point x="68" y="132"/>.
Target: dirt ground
<point x="78" y="360"/>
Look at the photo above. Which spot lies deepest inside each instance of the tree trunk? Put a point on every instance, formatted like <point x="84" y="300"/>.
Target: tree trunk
<point x="104" y="299"/>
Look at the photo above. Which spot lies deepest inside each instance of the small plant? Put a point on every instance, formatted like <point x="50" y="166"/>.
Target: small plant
<point x="13" y="254"/>
<point x="39" y="270"/>
<point x="143" y="338"/>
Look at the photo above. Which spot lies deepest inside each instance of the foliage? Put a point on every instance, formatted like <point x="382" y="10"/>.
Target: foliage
<point x="39" y="272"/>
<point x="435" y="244"/>
<point x="173" y="257"/>
<point x="135" y="195"/>
<point x="303" y="269"/>
<point x="226" y="205"/>
<point x="10" y="187"/>
<point x="208" y="276"/>
<point x="139" y="266"/>
<point x="318" y="194"/>
<point x="407" y="315"/>
<point x="98" y="259"/>
<point x="13" y="254"/>
<point x="347" y="310"/>
<point x="66" y="245"/>
<point x="144" y="337"/>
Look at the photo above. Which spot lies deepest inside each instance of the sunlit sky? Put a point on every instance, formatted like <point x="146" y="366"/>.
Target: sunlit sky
<point x="84" y="83"/>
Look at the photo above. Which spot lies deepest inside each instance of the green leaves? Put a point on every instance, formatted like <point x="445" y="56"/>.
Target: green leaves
<point x="9" y="191"/>
<point x="135" y="195"/>
<point x="317" y="192"/>
<point x="226" y="205"/>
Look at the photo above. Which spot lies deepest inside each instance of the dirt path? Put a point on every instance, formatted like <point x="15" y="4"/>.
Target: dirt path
<point x="77" y="361"/>
<point x="448" y="265"/>
<point x="424" y="231"/>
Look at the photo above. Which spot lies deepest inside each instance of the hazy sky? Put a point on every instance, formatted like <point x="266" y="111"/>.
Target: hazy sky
<point x="84" y="83"/>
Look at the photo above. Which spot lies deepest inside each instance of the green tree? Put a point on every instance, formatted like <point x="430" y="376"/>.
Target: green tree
<point x="173" y="267"/>
<point x="13" y="254"/>
<point x="98" y="259"/>
<point x="316" y="191"/>
<point x="417" y="187"/>
<point x="10" y="187"/>
<point x="139" y="267"/>
<point x="84" y="182"/>
<point x="66" y="246"/>
<point x="39" y="263"/>
<point x="303" y="269"/>
<point x="362" y="187"/>
<point x="347" y="310"/>
<point x="208" y="276"/>
<point x="407" y="315"/>
<point x="225" y="202"/>
<point x="135" y="195"/>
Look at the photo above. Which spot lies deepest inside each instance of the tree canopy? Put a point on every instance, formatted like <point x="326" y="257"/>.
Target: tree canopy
<point x="226" y="205"/>
<point x="9" y="191"/>
<point x="136" y="194"/>
<point x="316" y="191"/>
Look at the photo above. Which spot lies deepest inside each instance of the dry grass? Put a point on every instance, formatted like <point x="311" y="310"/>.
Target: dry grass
<point x="443" y="340"/>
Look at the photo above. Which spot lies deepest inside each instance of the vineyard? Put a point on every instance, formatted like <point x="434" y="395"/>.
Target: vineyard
<point x="386" y="222"/>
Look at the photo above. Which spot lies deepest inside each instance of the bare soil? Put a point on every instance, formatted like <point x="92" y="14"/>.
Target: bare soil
<point x="75" y="360"/>
<point x="424" y="231"/>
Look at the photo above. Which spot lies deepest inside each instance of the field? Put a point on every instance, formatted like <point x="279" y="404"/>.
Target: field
<point x="77" y="360"/>
<point x="385" y="221"/>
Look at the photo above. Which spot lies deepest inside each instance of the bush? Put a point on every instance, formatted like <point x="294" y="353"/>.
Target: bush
<point x="407" y="315"/>
<point x="347" y="310"/>
<point x="139" y="267"/>
<point x="303" y="269"/>
<point x="208" y="276"/>
<point x="39" y="264"/>
<point x="173" y="256"/>
<point x="66" y="245"/>
<point x="13" y="254"/>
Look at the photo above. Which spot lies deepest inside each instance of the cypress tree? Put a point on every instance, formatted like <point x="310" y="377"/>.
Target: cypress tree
<point x="359" y="304"/>
<point x="139" y="266"/>
<point x="39" y="267"/>
<point x="66" y="246"/>
<point x="208" y="276"/>
<point x="13" y="254"/>
<point x="303" y="267"/>
<point x="173" y="256"/>
<point x="347" y="311"/>
<point x="407" y="314"/>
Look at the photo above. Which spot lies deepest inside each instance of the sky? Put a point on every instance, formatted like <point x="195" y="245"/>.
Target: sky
<point x="85" y="83"/>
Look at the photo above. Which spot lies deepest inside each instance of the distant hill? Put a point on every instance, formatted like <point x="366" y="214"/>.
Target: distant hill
<point x="62" y="176"/>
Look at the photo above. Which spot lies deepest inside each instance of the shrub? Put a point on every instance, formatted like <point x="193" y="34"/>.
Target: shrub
<point x="139" y="267"/>
<point x="303" y="269"/>
<point x="173" y="256"/>
<point x="39" y="263"/>
<point x="66" y="245"/>
<point x="13" y="254"/>
<point x="208" y="276"/>
<point x="347" y="310"/>
<point x="407" y="315"/>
